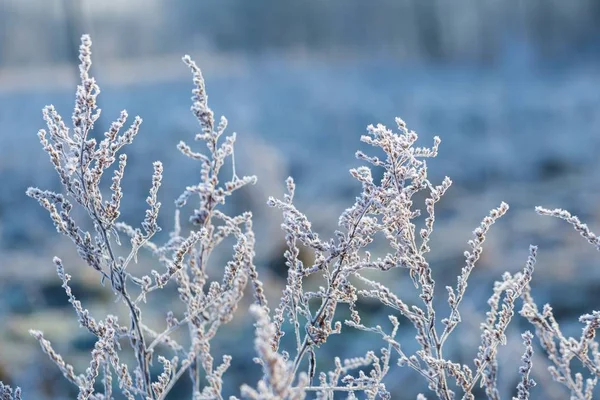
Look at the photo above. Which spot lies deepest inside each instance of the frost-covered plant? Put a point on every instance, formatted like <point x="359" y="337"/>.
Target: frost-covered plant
<point x="384" y="209"/>
<point x="80" y="162"/>
<point x="562" y="350"/>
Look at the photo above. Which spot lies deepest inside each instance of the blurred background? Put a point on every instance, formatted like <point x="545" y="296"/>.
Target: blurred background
<point x="511" y="87"/>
